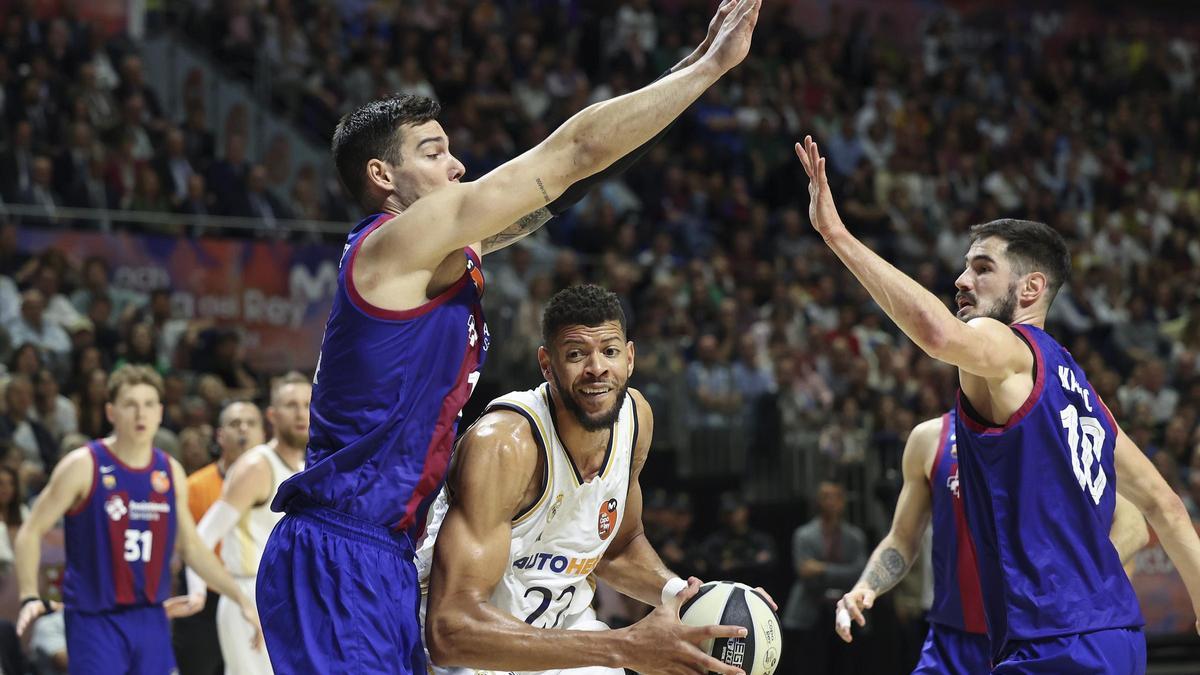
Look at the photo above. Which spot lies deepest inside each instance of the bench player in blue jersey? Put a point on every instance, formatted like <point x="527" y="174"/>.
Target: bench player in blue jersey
<point x="403" y="346"/>
<point x="957" y="641"/>
<point x="1039" y="455"/>
<point x="124" y="503"/>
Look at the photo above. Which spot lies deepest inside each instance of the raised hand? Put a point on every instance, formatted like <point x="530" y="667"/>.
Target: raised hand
<point x="662" y="644"/>
<point x="731" y="42"/>
<point x="821" y="211"/>
<point x="851" y="606"/>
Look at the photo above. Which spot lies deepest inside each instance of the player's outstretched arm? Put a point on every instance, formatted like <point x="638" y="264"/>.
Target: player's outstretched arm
<point x="532" y="222"/>
<point x="202" y="559"/>
<point x="463" y="214"/>
<point x="494" y="468"/>
<point x="1139" y="482"/>
<point x="1129" y="532"/>
<point x="69" y="484"/>
<point x="894" y="556"/>
<point x="247" y="484"/>
<point x="983" y="347"/>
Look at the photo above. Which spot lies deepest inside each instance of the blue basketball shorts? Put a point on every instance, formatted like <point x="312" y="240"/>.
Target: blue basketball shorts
<point x="339" y="595"/>
<point x="947" y="650"/>
<point x="127" y="641"/>
<point x="1116" y="650"/>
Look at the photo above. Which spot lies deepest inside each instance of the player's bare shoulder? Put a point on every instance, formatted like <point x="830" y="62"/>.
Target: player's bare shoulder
<point x="921" y="449"/>
<point x="499" y="454"/>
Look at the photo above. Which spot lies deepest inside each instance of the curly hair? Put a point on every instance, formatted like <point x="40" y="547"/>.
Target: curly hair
<point x="583" y="305"/>
<point x="370" y="132"/>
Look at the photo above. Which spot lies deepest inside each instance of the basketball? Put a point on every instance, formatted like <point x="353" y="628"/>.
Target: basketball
<point x="732" y="604"/>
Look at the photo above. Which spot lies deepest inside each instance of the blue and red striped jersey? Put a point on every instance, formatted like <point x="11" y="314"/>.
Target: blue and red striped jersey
<point x="387" y="396"/>
<point x="957" y="602"/>
<point x="1039" y="493"/>
<point x="119" y="540"/>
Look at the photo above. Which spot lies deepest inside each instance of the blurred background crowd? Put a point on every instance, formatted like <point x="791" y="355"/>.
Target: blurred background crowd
<point x="777" y="383"/>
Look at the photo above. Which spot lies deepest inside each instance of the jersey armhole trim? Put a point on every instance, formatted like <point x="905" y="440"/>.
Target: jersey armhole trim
<point x="376" y="312"/>
<point x="87" y="499"/>
<point x="940" y="454"/>
<point x="633" y="445"/>
<point x="978" y="424"/>
<point x="539" y="438"/>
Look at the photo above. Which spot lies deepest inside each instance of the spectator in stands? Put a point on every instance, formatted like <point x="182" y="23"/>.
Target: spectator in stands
<point x="93" y="422"/>
<point x="227" y="176"/>
<point x="737" y="551"/>
<point x="194" y="444"/>
<point x="13" y="512"/>
<point x="52" y="409"/>
<point x="828" y="554"/>
<point x="175" y="169"/>
<point x="258" y="203"/>
<point x="34" y="328"/>
<point x="716" y="400"/>
<point x="17" y="425"/>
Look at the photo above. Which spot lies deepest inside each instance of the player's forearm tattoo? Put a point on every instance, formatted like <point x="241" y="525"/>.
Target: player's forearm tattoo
<point x="886" y="570"/>
<point x="542" y="187"/>
<point x="524" y="227"/>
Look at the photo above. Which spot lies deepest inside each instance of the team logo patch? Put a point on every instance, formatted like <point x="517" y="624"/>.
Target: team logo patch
<point x="114" y="506"/>
<point x="952" y="482"/>
<point x="554" y="507"/>
<point x="160" y="482"/>
<point x="110" y="482"/>
<point x="608" y="518"/>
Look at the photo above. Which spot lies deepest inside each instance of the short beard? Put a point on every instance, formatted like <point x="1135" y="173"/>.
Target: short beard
<point x="604" y="421"/>
<point x="292" y="439"/>
<point x="1005" y="308"/>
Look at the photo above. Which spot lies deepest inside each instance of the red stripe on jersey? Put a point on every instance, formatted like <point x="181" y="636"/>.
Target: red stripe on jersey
<point x="437" y="455"/>
<point x="1035" y="394"/>
<point x="152" y="570"/>
<point x="122" y="572"/>
<point x="970" y="592"/>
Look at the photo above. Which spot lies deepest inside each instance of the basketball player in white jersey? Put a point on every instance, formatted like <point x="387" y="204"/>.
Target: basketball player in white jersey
<point x="543" y="493"/>
<point x="242" y="518"/>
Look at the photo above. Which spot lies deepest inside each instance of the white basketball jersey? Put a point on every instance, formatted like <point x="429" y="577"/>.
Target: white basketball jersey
<point x="558" y="541"/>
<point x="242" y="548"/>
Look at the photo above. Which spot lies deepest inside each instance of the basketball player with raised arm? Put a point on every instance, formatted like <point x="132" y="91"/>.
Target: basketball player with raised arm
<point x="543" y="493"/>
<point x="957" y="641"/>
<point x="123" y="502"/>
<point x="403" y="346"/>
<point x="1039" y="453"/>
<point x="242" y="518"/>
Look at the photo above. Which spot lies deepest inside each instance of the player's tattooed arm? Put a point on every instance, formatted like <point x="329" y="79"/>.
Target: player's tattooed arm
<point x="886" y="570"/>
<point x="517" y="231"/>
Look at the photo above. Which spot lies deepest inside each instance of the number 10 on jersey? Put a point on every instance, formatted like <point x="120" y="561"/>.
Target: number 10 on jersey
<point x="1086" y="438"/>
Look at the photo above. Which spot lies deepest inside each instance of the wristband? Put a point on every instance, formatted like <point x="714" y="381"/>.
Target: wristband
<point x="672" y="588"/>
<point x="33" y="598"/>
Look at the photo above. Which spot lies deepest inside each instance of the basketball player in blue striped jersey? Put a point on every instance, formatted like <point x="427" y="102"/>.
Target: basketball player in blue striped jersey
<point x="124" y="504"/>
<point x="1039" y="454"/>
<point x="403" y="347"/>
<point x="543" y="494"/>
<point x="957" y="641"/>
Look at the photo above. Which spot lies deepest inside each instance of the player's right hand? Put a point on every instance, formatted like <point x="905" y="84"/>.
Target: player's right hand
<point x="662" y="644"/>
<point x="732" y="41"/>
<point x="250" y="614"/>
<point x="31" y="612"/>
<point x="851" y="606"/>
<point x="184" y="605"/>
